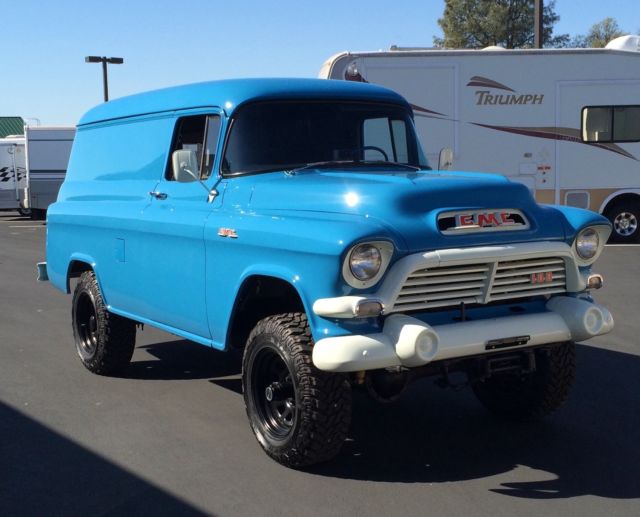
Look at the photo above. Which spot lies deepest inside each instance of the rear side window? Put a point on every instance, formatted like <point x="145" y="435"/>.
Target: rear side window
<point x="608" y="124"/>
<point x="199" y="134"/>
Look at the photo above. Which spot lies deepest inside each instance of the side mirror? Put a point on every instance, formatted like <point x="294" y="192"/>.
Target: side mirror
<point x="445" y="159"/>
<point x="185" y="166"/>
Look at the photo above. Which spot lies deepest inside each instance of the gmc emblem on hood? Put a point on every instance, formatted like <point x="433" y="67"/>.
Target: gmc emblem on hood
<point x="450" y="223"/>
<point x="484" y="219"/>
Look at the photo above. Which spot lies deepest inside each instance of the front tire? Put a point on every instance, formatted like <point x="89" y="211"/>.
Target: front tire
<point x="104" y="341"/>
<point x="299" y="414"/>
<point x="535" y="395"/>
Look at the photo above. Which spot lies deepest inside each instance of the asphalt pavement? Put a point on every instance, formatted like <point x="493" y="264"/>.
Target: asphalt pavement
<point x="170" y="436"/>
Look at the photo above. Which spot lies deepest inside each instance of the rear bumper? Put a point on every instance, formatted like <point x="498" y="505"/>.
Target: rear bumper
<point x="407" y="341"/>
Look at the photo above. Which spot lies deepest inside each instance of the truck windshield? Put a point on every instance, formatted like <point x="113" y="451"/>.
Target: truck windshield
<point x="272" y="136"/>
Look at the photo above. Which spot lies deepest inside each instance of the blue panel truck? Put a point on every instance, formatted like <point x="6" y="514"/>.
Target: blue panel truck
<point x="298" y="220"/>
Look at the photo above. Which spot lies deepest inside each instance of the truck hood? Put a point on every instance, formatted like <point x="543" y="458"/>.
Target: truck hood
<point x="409" y="203"/>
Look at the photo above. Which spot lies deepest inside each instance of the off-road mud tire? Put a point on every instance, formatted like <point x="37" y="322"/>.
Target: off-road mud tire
<point x="315" y="430"/>
<point x="531" y="396"/>
<point x="104" y="341"/>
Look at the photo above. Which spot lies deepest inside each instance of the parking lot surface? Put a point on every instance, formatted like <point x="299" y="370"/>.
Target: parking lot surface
<point x="170" y="436"/>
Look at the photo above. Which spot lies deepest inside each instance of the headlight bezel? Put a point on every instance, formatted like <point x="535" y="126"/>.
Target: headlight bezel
<point x="385" y="249"/>
<point x="601" y="232"/>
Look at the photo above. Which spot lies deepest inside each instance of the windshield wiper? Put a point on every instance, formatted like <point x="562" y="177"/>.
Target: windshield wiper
<point x="326" y="163"/>
<point x="332" y="163"/>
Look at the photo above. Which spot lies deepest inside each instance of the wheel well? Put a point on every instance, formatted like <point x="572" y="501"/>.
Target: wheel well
<point x="259" y="297"/>
<point x="76" y="268"/>
<point x="629" y="197"/>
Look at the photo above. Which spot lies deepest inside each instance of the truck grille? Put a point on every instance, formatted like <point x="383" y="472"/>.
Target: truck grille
<point x="481" y="283"/>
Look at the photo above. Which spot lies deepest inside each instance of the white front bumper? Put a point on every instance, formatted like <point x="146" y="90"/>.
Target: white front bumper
<point x="407" y="341"/>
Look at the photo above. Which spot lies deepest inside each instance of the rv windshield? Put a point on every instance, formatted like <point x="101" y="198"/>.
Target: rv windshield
<point x="272" y="136"/>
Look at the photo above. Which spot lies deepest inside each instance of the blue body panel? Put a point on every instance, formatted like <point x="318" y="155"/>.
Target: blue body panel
<point x="162" y="262"/>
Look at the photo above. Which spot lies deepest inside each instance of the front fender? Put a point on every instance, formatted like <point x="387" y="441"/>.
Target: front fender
<point x="575" y="219"/>
<point x="305" y="250"/>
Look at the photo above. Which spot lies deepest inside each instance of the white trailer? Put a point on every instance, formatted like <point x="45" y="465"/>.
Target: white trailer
<point x="47" y="151"/>
<point x="32" y="168"/>
<point x="565" y="122"/>
<point x="13" y="172"/>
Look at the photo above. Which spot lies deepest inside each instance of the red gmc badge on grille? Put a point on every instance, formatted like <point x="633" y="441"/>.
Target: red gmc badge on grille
<point x="484" y="219"/>
<point x="542" y="278"/>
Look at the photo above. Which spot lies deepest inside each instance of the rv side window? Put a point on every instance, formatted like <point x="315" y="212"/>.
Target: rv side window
<point x="199" y="134"/>
<point x="386" y="134"/>
<point x="606" y="124"/>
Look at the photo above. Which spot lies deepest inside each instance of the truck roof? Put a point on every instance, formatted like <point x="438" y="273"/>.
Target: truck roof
<point x="229" y="94"/>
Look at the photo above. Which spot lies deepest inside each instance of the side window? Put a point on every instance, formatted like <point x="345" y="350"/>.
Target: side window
<point x="388" y="135"/>
<point x="606" y="124"/>
<point x="197" y="134"/>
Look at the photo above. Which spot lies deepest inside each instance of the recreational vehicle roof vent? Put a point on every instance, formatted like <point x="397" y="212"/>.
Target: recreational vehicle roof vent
<point x="630" y="43"/>
<point x="493" y="47"/>
<point x="395" y="48"/>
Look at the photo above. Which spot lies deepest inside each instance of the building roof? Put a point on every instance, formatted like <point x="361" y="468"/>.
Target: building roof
<point x="11" y="126"/>
<point x="230" y="94"/>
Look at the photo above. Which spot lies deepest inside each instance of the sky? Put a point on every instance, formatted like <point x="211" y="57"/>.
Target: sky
<point x="165" y="43"/>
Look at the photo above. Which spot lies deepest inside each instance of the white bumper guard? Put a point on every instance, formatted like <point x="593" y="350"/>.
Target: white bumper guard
<point x="407" y="341"/>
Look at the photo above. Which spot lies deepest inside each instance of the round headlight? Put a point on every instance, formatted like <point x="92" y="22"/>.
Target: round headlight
<point x="587" y="243"/>
<point x="365" y="261"/>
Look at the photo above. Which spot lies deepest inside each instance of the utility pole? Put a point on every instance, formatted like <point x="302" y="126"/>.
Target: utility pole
<point x="537" y="15"/>
<point x="104" y="60"/>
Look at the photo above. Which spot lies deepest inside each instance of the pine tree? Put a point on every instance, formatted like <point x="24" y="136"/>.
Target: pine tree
<point x="506" y="23"/>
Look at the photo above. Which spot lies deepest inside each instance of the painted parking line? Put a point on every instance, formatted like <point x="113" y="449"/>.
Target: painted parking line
<point x="29" y="226"/>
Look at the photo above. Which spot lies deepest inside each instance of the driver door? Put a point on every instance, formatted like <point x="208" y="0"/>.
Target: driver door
<point x="176" y="217"/>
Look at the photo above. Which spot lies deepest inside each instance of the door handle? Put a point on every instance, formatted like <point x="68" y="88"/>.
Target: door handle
<point x="158" y="195"/>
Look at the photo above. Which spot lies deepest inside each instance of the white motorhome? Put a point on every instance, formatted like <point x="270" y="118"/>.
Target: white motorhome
<point x="565" y="122"/>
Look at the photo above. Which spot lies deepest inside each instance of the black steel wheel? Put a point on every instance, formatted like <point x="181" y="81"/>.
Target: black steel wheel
<point x="86" y="325"/>
<point x="534" y="395"/>
<point x="299" y="414"/>
<point x="274" y="393"/>
<point x="104" y="341"/>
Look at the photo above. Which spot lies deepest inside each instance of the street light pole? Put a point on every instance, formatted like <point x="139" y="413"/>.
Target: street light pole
<point x="104" y="60"/>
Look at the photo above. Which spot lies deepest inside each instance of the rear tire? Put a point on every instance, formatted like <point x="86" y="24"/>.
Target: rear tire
<point x="38" y="214"/>
<point x="104" y="341"/>
<point x="299" y="414"/>
<point x="535" y="395"/>
<point x="625" y="218"/>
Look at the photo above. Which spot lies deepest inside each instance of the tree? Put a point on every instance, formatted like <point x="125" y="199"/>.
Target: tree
<point x="599" y="34"/>
<point x="507" y="23"/>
